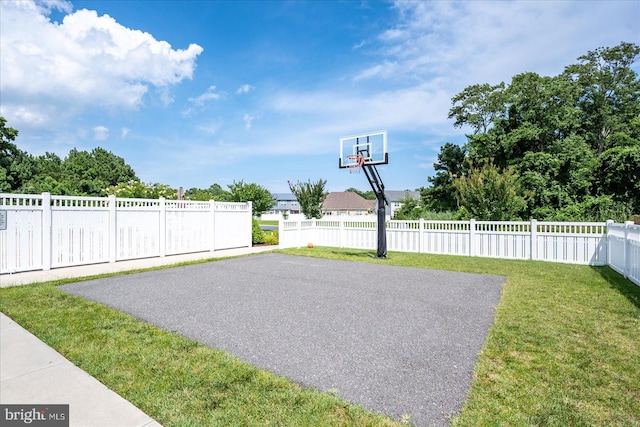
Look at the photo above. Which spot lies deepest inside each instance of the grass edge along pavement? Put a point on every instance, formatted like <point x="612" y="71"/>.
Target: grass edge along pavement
<point x="174" y="380"/>
<point x="564" y="350"/>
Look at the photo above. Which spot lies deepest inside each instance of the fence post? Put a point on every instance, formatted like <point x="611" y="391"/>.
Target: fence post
<point x="340" y="231"/>
<point x="421" y="227"/>
<point x="627" y="249"/>
<point x="212" y="209"/>
<point x="163" y="228"/>
<point x="113" y="229"/>
<point x="250" y="214"/>
<point x="610" y="222"/>
<point x="46" y="231"/>
<point x="534" y="240"/>
<point x="472" y="237"/>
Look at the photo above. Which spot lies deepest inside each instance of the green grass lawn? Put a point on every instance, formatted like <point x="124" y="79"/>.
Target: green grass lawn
<point x="564" y="350"/>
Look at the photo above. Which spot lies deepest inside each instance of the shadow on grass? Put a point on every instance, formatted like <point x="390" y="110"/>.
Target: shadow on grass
<point x="625" y="286"/>
<point x="355" y="254"/>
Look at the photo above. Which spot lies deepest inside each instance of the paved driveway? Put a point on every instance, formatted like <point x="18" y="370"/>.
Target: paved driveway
<point x="397" y="340"/>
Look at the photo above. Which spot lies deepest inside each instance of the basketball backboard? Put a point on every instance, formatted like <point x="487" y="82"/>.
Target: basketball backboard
<point x="372" y="146"/>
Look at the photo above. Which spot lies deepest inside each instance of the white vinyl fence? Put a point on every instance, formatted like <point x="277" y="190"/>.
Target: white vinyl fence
<point x="40" y="232"/>
<point x="588" y="243"/>
<point x="623" y="252"/>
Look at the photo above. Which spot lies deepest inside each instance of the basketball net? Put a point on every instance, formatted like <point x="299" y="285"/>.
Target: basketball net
<point x="356" y="161"/>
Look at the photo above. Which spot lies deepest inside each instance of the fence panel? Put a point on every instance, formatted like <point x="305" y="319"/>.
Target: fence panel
<point x="21" y="242"/>
<point x="511" y="240"/>
<point x="231" y="229"/>
<point x="138" y="228"/>
<point x="572" y="243"/>
<point x="403" y="236"/>
<point x="189" y="227"/>
<point x="445" y="237"/>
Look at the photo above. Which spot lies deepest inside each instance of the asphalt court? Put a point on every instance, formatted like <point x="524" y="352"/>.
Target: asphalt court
<point x="397" y="340"/>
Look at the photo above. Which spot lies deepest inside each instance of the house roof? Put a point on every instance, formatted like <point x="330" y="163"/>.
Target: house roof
<point x="285" y="197"/>
<point x="396" y="196"/>
<point x="347" y="200"/>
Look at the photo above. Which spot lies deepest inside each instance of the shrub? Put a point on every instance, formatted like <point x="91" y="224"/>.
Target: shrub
<point x="257" y="235"/>
<point x="271" y="238"/>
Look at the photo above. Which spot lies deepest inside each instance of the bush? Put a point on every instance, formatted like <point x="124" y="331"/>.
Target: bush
<point x="271" y="238"/>
<point x="257" y="235"/>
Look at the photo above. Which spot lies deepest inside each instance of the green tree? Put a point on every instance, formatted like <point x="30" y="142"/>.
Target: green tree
<point x="570" y="137"/>
<point x="410" y="209"/>
<point x="214" y="192"/>
<point x="43" y="174"/>
<point x="478" y="106"/>
<point x="90" y="173"/>
<point x="609" y="97"/>
<point x="620" y="174"/>
<point x="368" y="195"/>
<point x="310" y="195"/>
<point x="138" y="190"/>
<point x="262" y="200"/>
<point x="490" y="194"/>
<point x="441" y="195"/>
<point x="10" y="157"/>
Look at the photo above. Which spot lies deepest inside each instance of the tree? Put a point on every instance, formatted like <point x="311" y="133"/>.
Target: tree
<point x="569" y="137"/>
<point x="10" y="157"/>
<point x="90" y="173"/>
<point x="138" y="190"/>
<point x="310" y="195"/>
<point x="609" y="91"/>
<point x="490" y="194"/>
<point x="260" y="197"/>
<point x="214" y="192"/>
<point x="620" y="174"/>
<point x="368" y="195"/>
<point x="477" y="106"/>
<point x="410" y="209"/>
<point x="441" y="195"/>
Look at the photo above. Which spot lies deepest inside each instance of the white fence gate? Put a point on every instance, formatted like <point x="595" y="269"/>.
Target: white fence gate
<point x="588" y="243"/>
<point x="40" y="232"/>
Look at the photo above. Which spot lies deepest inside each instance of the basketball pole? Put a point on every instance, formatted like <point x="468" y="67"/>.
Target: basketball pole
<point x="378" y="188"/>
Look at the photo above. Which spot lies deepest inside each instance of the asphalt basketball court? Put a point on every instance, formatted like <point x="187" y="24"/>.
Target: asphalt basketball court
<point x="396" y="340"/>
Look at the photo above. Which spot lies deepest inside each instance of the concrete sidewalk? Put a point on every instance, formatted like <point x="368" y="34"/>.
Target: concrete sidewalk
<point x="29" y="277"/>
<point x="31" y="372"/>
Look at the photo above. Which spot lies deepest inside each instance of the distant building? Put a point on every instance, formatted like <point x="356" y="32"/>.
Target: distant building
<point x="341" y="203"/>
<point x="396" y="197"/>
<point x="347" y="203"/>
<point x="286" y="204"/>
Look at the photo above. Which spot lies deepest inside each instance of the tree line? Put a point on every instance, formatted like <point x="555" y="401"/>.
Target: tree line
<point x="565" y="147"/>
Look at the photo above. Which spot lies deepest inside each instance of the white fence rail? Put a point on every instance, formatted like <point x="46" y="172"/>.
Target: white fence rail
<point x="588" y="243"/>
<point x="40" y="232"/>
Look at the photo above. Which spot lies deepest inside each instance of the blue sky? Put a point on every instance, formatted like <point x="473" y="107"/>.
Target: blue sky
<point x="192" y="93"/>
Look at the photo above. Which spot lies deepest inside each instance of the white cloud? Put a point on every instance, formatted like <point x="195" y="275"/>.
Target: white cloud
<point x="248" y="120"/>
<point x="124" y="132"/>
<point x="477" y="41"/>
<point x="100" y="133"/>
<point x="53" y="71"/>
<point x="209" y="95"/>
<point x="246" y="88"/>
<point x="359" y="45"/>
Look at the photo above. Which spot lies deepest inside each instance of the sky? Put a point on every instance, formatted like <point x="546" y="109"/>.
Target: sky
<point x="192" y="93"/>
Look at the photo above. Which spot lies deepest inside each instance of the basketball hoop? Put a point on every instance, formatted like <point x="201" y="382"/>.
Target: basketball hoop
<point x="356" y="161"/>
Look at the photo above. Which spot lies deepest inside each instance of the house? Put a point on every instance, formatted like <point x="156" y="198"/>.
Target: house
<point x="396" y="197"/>
<point x="286" y="204"/>
<point x="347" y="203"/>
